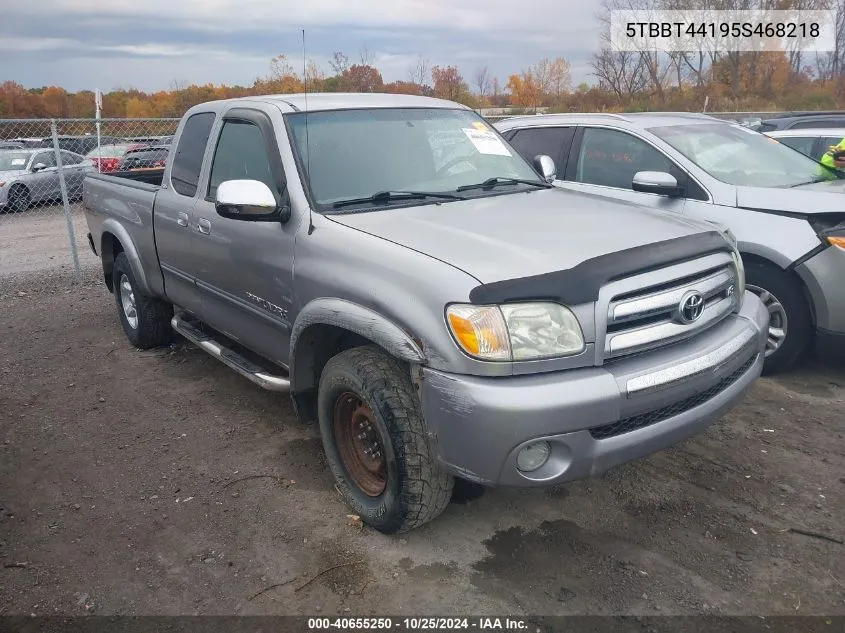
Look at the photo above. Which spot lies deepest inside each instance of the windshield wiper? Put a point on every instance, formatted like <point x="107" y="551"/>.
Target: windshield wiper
<point x="812" y="182"/>
<point x="497" y="181"/>
<point x="383" y="197"/>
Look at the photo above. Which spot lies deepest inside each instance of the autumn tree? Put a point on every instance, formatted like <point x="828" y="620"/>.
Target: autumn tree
<point x="448" y="83"/>
<point x="525" y="91"/>
<point x="55" y="102"/>
<point x="403" y="88"/>
<point x="361" y="78"/>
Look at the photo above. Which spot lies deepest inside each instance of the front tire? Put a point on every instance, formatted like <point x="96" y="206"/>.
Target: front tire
<point x="19" y="199"/>
<point x="790" y="321"/>
<point x="376" y="443"/>
<point x="145" y="319"/>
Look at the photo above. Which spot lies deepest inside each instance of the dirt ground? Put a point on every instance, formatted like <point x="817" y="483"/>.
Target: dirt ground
<point x="128" y="486"/>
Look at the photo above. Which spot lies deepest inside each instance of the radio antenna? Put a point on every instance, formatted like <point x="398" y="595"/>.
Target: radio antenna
<point x="307" y="146"/>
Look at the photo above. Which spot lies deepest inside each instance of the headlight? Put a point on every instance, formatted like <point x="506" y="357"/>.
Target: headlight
<point x="515" y="331"/>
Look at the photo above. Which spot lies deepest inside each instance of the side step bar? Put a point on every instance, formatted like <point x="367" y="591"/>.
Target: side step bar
<point x="244" y="367"/>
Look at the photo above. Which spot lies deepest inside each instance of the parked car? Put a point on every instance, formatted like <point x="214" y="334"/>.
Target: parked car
<point x="143" y="157"/>
<point x="10" y="145"/>
<point x="810" y="142"/>
<point x="801" y="120"/>
<point x="106" y="158"/>
<point x="32" y="176"/>
<point x="81" y="144"/>
<point x="150" y="140"/>
<point x="785" y="209"/>
<point x="436" y="306"/>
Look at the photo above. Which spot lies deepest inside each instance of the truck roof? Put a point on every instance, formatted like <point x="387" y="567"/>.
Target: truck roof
<point x="318" y="101"/>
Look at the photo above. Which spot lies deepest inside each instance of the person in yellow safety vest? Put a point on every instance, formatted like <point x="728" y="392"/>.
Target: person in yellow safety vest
<point x="834" y="157"/>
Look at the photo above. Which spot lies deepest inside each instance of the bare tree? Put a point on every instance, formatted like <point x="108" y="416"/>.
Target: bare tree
<point x="339" y="63"/>
<point x="366" y="56"/>
<point x="419" y="70"/>
<point x="622" y="72"/>
<point x="482" y="80"/>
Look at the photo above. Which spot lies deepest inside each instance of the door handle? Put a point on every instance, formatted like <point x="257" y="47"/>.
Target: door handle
<point x="204" y="226"/>
<point x="182" y="219"/>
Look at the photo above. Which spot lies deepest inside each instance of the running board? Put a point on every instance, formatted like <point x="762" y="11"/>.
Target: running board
<point x="235" y="361"/>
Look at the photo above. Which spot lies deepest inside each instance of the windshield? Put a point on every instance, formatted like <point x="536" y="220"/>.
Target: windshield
<point x="108" y="151"/>
<point x="13" y="161"/>
<point x="358" y="153"/>
<point x="739" y="156"/>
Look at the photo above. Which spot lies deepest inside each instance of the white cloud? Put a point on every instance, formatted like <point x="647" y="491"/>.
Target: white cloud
<point x="546" y="16"/>
<point x="125" y="41"/>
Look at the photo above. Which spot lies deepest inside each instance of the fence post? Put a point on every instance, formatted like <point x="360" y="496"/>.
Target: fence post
<point x="71" y="235"/>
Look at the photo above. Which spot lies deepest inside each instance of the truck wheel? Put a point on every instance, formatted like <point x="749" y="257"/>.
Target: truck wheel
<point x="376" y="443"/>
<point x="19" y="198"/>
<point x="790" y="322"/>
<point x="145" y="319"/>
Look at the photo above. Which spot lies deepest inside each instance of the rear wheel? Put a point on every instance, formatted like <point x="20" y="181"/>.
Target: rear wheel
<point x="145" y="319"/>
<point x="19" y="198"/>
<point x="376" y="443"/>
<point x="790" y="321"/>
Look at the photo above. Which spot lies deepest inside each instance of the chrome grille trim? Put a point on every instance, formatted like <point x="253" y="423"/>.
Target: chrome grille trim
<point x="637" y="321"/>
<point x="661" y="301"/>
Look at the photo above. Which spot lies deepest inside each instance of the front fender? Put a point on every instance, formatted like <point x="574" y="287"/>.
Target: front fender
<point x="112" y="226"/>
<point x="351" y="317"/>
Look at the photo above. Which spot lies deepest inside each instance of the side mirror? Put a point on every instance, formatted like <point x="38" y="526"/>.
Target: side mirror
<point x="248" y="200"/>
<point x="38" y="167"/>
<point x="659" y="182"/>
<point x="546" y="167"/>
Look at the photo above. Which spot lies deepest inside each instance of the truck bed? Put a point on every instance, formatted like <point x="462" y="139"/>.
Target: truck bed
<point x="143" y="176"/>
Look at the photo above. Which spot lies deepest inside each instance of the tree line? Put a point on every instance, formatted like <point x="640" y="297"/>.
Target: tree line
<point x="623" y="80"/>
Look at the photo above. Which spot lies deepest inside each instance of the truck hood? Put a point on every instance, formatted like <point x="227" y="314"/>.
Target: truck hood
<point x="816" y="198"/>
<point x="522" y="234"/>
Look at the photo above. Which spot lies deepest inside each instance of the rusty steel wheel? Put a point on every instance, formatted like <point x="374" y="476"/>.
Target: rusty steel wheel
<point x="359" y="444"/>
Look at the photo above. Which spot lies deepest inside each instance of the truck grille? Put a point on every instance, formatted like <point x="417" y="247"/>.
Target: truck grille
<point x="626" y="425"/>
<point x="658" y="315"/>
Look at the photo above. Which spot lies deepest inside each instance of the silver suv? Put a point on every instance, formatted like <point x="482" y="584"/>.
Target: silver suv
<point x="786" y="211"/>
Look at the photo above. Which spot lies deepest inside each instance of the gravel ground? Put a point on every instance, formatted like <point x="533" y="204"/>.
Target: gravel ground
<point x="36" y="241"/>
<point x="162" y="483"/>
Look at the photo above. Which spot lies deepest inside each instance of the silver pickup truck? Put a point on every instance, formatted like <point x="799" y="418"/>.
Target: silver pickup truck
<point x="426" y="295"/>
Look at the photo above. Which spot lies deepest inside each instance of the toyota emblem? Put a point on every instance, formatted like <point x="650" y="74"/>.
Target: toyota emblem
<point x="691" y="307"/>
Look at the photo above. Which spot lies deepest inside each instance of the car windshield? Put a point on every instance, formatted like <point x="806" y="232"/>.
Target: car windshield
<point x="352" y="154"/>
<point x="742" y="157"/>
<point x="12" y="160"/>
<point x="108" y="151"/>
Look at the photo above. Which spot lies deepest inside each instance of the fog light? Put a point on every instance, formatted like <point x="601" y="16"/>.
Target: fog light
<point x="533" y="456"/>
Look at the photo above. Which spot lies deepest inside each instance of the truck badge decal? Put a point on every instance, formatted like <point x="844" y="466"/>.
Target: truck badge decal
<point x="267" y="305"/>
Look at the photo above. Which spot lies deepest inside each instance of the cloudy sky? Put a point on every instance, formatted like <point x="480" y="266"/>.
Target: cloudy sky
<point x="149" y="44"/>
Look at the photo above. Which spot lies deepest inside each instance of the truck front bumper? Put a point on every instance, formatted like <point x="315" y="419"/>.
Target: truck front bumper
<point x="593" y="418"/>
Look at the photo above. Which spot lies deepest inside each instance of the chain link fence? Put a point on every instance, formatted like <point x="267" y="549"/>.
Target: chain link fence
<point x="43" y="163"/>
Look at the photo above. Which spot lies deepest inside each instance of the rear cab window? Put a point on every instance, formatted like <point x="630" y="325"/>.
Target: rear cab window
<point x="187" y="161"/>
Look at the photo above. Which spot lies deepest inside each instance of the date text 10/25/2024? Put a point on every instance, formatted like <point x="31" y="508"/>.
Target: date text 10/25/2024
<point x="419" y="624"/>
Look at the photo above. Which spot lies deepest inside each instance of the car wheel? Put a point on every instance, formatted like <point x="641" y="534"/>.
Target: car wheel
<point x="790" y="321"/>
<point x="145" y="319"/>
<point x="376" y="442"/>
<point x="19" y="198"/>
